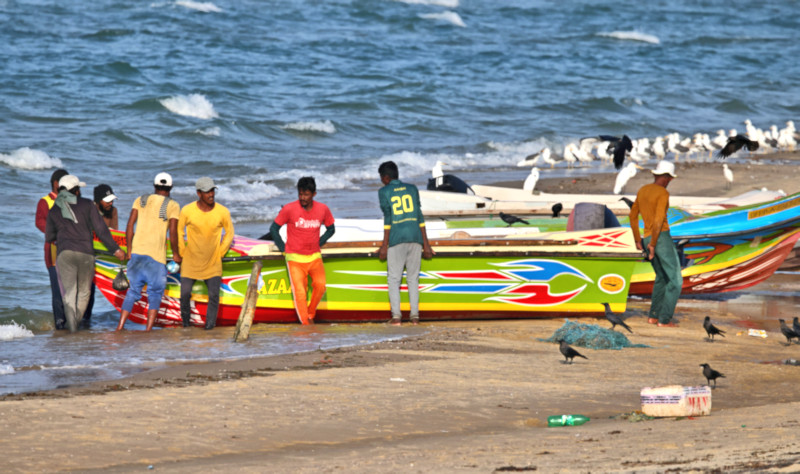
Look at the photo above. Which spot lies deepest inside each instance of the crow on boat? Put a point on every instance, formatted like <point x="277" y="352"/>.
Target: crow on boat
<point x="557" y="208"/>
<point x="511" y="220"/>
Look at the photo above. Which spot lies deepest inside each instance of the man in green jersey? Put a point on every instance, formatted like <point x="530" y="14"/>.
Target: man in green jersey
<point x="404" y="239"/>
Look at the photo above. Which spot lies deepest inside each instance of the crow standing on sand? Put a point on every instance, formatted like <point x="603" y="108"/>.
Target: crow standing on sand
<point x="788" y="332"/>
<point x="735" y="144"/>
<point x="711" y="374"/>
<point x="568" y="352"/>
<point x="711" y="330"/>
<point x="557" y="208"/>
<point x="796" y="325"/>
<point x="615" y="319"/>
<point x="510" y="220"/>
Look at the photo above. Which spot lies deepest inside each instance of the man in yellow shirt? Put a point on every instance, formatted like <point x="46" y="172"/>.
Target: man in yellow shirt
<point x="153" y="215"/>
<point x="203" y="244"/>
<point x="652" y="202"/>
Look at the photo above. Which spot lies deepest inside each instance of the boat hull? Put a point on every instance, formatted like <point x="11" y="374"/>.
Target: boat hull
<point x="572" y="276"/>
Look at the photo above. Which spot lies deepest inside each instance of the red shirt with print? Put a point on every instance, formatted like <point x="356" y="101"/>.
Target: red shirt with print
<point x="302" y="227"/>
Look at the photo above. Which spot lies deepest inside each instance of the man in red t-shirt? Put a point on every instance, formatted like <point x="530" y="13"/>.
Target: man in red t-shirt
<point x="303" y="219"/>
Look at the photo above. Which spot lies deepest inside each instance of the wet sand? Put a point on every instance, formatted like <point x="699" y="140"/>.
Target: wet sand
<point x="463" y="397"/>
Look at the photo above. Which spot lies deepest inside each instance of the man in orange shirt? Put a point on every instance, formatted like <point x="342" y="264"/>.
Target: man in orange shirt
<point x="652" y="202"/>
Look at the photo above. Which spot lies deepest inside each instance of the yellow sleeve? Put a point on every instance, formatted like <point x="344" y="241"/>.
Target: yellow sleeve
<point x="182" y="219"/>
<point x="227" y="240"/>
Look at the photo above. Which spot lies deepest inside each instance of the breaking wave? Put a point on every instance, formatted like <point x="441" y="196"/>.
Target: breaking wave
<point x="193" y="105"/>
<point x="30" y="159"/>
<point x="632" y="36"/>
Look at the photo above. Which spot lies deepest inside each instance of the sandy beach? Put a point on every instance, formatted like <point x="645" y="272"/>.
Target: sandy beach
<point x="463" y="397"/>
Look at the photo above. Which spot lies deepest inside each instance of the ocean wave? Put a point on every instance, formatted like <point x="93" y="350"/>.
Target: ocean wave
<point x="205" y="7"/>
<point x="325" y="126"/>
<point x="241" y="190"/>
<point x="30" y="159"/>
<point x="449" y="17"/>
<point x="193" y="105"/>
<point x="632" y="36"/>
<point x="209" y="132"/>
<point x="14" y="331"/>
<point x="6" y="369"/>
<point x="438" y="3"/>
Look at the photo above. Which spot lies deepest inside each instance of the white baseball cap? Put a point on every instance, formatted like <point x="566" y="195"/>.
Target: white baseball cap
<point x="70" y="181"/>
<point x="163" y="179"/>
<point x="665" y="167"/>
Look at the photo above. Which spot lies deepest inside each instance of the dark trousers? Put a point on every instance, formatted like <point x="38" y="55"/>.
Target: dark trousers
<point x="58" y="304"/>
<point x="212" y="284"/>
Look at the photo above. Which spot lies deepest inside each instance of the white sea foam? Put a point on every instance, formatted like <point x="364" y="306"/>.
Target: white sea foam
<point x="241" y="190"/>
<point x="206" y="7"/>
<point x="632" y="36"/>
<point x="14" y="331"/>
<point x="325" y="126"/>
<point x="438" y="3"/>
<point x="29" y="159"/>
<point x="209" y="132"/>
<point x="6" y="369"/>
<point x="450" y="17"/>
<point x="193" y="105"/>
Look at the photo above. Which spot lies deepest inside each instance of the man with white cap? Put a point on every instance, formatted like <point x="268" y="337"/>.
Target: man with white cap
<point x="70" y="223"/>
<point x="202" y="246"/>
<point x="652" y="202"/>
<point x="152" y="215"/>
<point x="42" y="209"/>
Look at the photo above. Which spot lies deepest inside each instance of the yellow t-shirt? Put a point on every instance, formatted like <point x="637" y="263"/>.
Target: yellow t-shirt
<point x="150" y="237"/>
<point x="200" y="237"/>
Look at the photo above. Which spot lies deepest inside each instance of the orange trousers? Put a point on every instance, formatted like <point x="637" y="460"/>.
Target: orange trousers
<point x="298" y="274"/>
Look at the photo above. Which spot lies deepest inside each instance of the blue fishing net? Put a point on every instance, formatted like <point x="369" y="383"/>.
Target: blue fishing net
<point x="591" y="336"/>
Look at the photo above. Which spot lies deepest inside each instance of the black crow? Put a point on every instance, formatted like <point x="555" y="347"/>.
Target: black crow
<point x="568" y="352"/>
<point x="796" y="325"/>
<point x="621" y="147"/>
<point x="509" y="219"/>
<point x="627" y="201"/>
<point x="557" y="208"/>
<point x="735" y="144"/>
<point x="615" y="319"/>
<point x="788" y="332"/>
<point x="711" y="374"/>
<point x="711" y="330"/>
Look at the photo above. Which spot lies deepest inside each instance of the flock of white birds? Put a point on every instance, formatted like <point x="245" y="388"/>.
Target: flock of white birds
<point x="698" y="146"/>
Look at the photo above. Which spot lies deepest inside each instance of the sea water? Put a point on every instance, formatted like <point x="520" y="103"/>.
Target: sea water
<point x="259" y="93"/>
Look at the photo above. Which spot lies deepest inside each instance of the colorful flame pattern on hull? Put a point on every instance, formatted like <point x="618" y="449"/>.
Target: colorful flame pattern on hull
<point x="470" y="285"/>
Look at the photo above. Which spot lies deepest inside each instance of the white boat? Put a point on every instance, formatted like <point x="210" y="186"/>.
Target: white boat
<point x="490" y="200"/>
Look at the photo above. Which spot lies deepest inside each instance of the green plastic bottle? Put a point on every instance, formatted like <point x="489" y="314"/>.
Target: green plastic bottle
<point x="567" y="420"/>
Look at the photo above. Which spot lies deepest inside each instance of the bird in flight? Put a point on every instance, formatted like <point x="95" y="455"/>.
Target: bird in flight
<point x="711" y="374"/>
<point x="568" y="352"/>
<point x="735" y="144"/>
<point x="615" y="319"/>
<point x="620" y="146"/>
<point x="712" y="330"/>
<point x="510" y="219"/>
